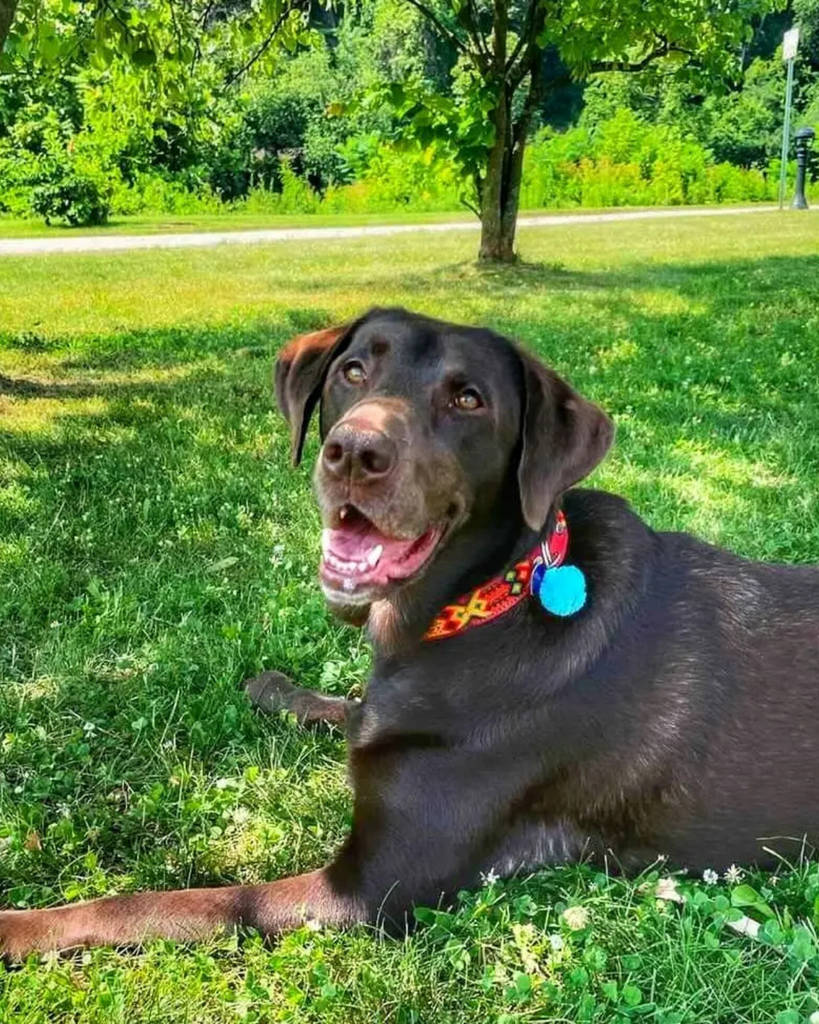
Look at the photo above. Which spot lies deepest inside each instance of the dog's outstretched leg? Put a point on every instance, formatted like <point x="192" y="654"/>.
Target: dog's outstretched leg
<point x="273" y="691"/>
<point x="185" y="915"/>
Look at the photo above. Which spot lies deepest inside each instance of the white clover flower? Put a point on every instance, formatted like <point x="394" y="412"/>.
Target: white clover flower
<point x="667" y="890"/>
<point x="710" y="877"/>
<point x="489" y="878"/>
<point x="556" y="943"/>
<point x="733" y="874"/>
<point x="576" y="918"/>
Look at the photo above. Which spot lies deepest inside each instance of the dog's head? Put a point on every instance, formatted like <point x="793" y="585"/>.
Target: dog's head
<point x="427" y="428"/>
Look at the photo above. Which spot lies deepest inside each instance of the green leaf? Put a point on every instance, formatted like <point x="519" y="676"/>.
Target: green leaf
<point x="610" y="990"/>
<point x="710" y="940"/>
<point x="224" y="563"/>
<point x="802" y="947"/>
<point x="48" y="45"/>
<point x="631" y="995"/>
<point x="771" y="932"/>
<point x="747" y="896"/>
<point x="788" y="1017"/>
<point x="143" y="57"/>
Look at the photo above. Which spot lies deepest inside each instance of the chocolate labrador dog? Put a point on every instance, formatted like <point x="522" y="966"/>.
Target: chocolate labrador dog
<point x="552" y="678"/>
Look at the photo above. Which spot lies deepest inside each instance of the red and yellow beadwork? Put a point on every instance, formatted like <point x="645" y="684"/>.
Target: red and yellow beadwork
<point x="501" y="593"/>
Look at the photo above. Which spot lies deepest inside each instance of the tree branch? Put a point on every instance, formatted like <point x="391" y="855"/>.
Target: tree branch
<point x="115" y="14"/>
<point x="525" y="38"/>
<point x="633" y="67"/>
<point x="469" y="18"/>
<point x="477" y="38"/>
<point x="201" y="23"/>
<point x="532" y="58"/>
<point x="176" y="29"/>
<point x="467" y="204"/>
<point x="447" y="33"/>
<point x="500" y="31"/>
<point x="262" y="49"/>
<point x="532" y="101"/>
<point x="627" y="67"/>
<point x="7" y="9"/>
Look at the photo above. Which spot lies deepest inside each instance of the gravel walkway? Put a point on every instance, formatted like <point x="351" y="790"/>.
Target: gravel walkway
<point x="107" y="243"/>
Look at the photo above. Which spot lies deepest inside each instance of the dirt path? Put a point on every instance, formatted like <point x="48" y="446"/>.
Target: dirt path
<point x="107" y="243"/>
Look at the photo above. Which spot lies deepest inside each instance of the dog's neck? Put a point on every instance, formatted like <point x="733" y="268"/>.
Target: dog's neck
<point x="477" y="552"/>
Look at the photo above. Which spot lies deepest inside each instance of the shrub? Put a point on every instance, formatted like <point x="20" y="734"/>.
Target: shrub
<point x="77" y="198"/>
<point x="625" y="161"/>
<point x="158" y="193"/>
<point x="57" y="173"/>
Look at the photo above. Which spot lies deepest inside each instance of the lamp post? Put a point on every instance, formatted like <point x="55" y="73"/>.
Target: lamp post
<point x="790" y="47"/>
<point x="804" y="138"/>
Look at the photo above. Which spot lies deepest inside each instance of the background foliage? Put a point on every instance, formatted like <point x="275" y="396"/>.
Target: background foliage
<point x="172" y="122"/>
<point x="173" y="127"/>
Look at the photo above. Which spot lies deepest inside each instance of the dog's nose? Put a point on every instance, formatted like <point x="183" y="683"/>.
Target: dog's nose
<point x="360" y="454"/>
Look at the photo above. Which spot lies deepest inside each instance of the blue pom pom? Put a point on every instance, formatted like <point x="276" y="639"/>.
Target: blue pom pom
<point x="561" y="591"/>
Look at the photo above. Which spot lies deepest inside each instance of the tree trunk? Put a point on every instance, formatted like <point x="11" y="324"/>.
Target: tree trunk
<point x="491" y="196"/>
<point x="7" y="9"/>
<point x="500" y="193"/>
<point x="511" y="197"/>
<point x="500" y="190"/>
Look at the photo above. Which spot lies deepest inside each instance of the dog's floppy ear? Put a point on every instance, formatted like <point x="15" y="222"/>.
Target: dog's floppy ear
<point x="301" y="367"/>
<point x="564" y="437"/>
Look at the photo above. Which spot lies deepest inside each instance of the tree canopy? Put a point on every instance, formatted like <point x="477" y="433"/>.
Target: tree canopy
<point x="115" y="105"/>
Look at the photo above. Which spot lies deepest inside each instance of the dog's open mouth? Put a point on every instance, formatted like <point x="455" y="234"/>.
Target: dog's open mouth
<point x="357" y="556"/>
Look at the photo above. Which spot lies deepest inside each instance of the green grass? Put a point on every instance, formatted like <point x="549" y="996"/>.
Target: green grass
<point x="156" y="549"/>
<point x="230" y="220"/>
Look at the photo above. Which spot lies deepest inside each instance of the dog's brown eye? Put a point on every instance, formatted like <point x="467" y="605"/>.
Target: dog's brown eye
<point x="354" y="372"/>
<point x="467" y="400"/>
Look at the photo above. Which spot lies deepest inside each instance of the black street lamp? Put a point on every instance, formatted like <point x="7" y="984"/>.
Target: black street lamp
<point x="804" y="138"/>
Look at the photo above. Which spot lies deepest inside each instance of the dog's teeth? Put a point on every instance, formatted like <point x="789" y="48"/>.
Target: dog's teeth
<point x="325" y="542"/>
<point x="342" y="513"/>
<point x="374" y="555"/>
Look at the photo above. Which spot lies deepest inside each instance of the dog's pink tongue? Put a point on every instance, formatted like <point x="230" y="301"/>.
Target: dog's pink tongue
<point x="353" y="540"/>
<point x="363" y="542"/>
<point x="359" y="550"/>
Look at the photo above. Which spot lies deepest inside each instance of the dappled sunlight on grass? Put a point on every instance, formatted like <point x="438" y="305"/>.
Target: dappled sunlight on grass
<point x="156" y="548"/>
<point x="41" y="415"/>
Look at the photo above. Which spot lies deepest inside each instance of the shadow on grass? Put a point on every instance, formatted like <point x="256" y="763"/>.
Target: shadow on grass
<point x="141" y="515"/>
<point x="157" y="347"/>
<point x="749" y="279"/>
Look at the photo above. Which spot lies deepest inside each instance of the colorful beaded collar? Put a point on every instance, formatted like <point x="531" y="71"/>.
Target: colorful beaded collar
<point x="560" y="589"/>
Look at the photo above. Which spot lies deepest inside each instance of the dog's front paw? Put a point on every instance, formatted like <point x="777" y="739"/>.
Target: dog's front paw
<point x="272" y="691"/>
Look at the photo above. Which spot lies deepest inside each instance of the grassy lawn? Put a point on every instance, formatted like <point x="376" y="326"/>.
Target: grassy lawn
<point x="156" y="549"/>
<point x="184" y="223"/>
<point x="166" y="223"/>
